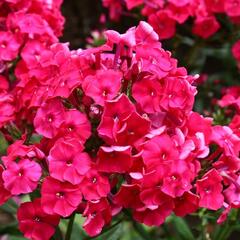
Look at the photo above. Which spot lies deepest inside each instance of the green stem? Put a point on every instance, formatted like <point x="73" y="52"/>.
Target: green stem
<point x="70" y="227"/>
<point x="141" y="231"/>
<point x="225" y="233"/>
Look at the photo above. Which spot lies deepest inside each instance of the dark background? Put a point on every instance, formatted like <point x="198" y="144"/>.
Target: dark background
<point x="80" y="17"/>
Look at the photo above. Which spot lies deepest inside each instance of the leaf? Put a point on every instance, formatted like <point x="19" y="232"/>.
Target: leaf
<point x="182" y="229"/>
<point x="10" y="207"/>
<point x="3" y="144"/>
<point x="114" y="233"/>
<point x="16" y="238"/>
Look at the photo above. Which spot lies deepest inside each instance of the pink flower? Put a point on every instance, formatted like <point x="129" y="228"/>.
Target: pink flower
<point x="60" y="198"/>
<point x="49" y="118"/>
<point x="157" y="207"/>
<point x="94" y="185"/>
<point x="179" y="13"/>
<point x="7" y="107"/>
<point x="148" y="92"/>
<point x="210" y="190"/>
<point x="76" y="124"/>
<point x="177" y="178"/>
<point x="226" y="139"/>
<point x="158" y="150"/>
<point x="232" y="7"/>
<point x="178" y="94"/>
<point x="236" y="50"/>
<point x="114" y="159"/>
<point x="186" y="204"/>
<point x="34" y="223"/>
<point x="133" y="3"/>
<point x="163" y="24"/>
<point x="102" y="86"/>
<point x="215" y="6"/>
<point x="22" y="177"/>
<point x="9" y="46"/>
<point x="67" y="162"/>
<point x="32" y="53"/>
<point x="98" y="215"/>
<point x="4" y="193"/>
<point x="114" y="111"/>
<point x="232" y="193"/>
<point x="205" y="27"/>
<point x="128" y="132"/>
<point x="129" y="196"/>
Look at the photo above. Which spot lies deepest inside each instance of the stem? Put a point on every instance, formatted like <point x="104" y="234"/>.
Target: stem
<point x="141" y="231"/>
<point x="70" y="227"/>
<point x="224" y="233"/>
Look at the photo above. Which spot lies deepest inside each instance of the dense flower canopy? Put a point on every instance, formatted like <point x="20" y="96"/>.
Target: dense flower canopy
<point x="115" y="124"/>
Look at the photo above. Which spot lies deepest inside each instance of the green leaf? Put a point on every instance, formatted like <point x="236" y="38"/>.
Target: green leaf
<point x="182" y="229"/>
<point x="16" y="238"/>
<point x="10" y="207"/>
<point x="114" y="233"/>
<point x="3" y="144"/>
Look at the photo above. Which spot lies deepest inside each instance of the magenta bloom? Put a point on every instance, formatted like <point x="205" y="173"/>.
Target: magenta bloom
<point x="186" y="204"/>
<point x="163" y="24"/>
<point x="102" y="86"/>
<point x="4" y="193"/>
<point x="205" y="27"/>
<point x="210" y="190"/>
<point x="34" y="223"/>
<point x="61" y="198"/>
<point x="49" y="117"/>
<point x="158" y="150"/>
<point x="22" y="177"/>
<point x="9" y="46"/>
<point x="115" y="110"/>
<point x="114" y="159"/>
<point x="157" y="207"/>
<point x="128" y="196"/>
<point x="98" y="214"/>
<point x="7" y="107"/>
<point x="94" y="185"/>
<point x="76" y="124"/>
<point x="67" y="162"/>
<point x="148" y="93"/>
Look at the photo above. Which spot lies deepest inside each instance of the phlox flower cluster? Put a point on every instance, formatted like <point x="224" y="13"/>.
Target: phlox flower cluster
<point x="117" y="129"/>
<point x="164" y="16"/>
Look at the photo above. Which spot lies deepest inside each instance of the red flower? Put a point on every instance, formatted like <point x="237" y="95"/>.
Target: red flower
<point x="67" y="162"/>
<point x="94" y="185"/>
<point x="102" y="86"/>
<point x="205" y="27"/>
<point x="186" y="204"/>
<point x="4" y="193"/>
<point x="34" y="223"/>
<point x="129" y="196"/>
<point x="22" y="177"/>
<point x="210" y="190"/>
<point x="76" y="124"/>
<point x="236" y="50"/>
<point x="148" y="92"/>
<point x="9" y="46"/>
<point x="163" y="24"/>
<point x="98" y="214"/>
<point x="232" y="7"/>
<point x="114" y="159"/>
<point x="128" y="132"/>
<point x="61" y="198"/>
<point x="114" y="111"/>
<point x="7" y="108"/>
<point x="49" y="118"/>
<point x="158" y="206"/>
<point x="158" y="150"/>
